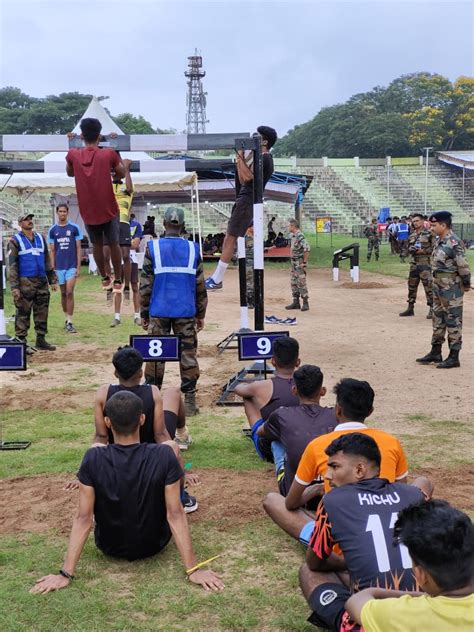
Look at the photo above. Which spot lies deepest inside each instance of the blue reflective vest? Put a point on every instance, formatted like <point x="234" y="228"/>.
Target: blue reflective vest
<point x="403" y="230"/>
<point x="175" y="263"/>
<point x="31" y="255"/>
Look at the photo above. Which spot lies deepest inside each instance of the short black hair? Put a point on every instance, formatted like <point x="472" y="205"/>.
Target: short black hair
<point x="62" y="205"/>
<point x="91" y="128"/>
<point x="417" y="215"/>
<point x="268" y="134"/>
<point x="294" y="221"/>
<point x="440" y="539"/>
<point x="285" y="351"/>
<point x="124" y="409"/>
<point x="356" y="398"/>
<point x="127" y="361"/>
<point x="357" y="444"/>
<point x="308" y="380"/>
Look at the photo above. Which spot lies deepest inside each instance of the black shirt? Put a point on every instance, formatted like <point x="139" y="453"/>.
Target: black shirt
<point x="129" y="483"/>
<point x="360" y="518"/>
<point x="282" y="395"/>
<point x="145" y="393"/>
<point x="267" y="168"/>
<point x="295" y="427"/>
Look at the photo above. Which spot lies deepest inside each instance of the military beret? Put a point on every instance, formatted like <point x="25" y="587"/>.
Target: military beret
<point x="440" y="216"/>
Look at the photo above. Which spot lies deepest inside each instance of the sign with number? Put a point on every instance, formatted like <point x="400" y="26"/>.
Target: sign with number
<point x="258" y="345"/>
<point x="12" y="356"/>
<point x="158" y="348"/>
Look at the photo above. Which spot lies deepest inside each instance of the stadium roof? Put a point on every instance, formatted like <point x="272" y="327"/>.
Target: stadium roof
<point x="463" y="159"/>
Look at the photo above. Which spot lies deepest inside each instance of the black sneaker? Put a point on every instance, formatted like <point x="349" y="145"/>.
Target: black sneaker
<point x="189" y="503"/>
<point x="70" y="328"/>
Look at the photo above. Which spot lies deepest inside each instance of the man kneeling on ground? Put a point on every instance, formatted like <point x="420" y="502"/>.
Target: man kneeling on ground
<point x="132" y="490"/>
<point x="290" y="429"/>
<point x="440" y="541"/>
<point x="262" y="397"/>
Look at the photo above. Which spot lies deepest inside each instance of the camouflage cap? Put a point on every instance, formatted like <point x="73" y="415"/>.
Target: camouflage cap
<point x="174" y="215"/>
<point x="440" y="216"/>
<point x="24" y="216"/>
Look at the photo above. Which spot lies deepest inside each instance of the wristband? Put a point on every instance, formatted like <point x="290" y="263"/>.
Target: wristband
<point x="66" y="574"/>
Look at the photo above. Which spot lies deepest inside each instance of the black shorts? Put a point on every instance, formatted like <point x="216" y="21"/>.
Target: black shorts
<point x="171" y="422"/>
<point x="134" y="274"/>
<point x="328" y="604"/>
<point x="242" y="216"/>
<point x="108" y="232"/>
<point x="125" y="238"/>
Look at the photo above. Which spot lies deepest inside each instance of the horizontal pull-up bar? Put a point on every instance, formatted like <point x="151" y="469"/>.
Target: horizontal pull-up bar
<point x="146" y="166"/>
<point x="126" y="142"/>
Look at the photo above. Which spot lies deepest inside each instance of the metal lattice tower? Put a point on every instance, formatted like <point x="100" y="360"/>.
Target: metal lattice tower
<point x="196" y="97"/>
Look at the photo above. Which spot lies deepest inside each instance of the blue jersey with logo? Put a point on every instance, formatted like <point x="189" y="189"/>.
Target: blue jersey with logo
<point x="136" y="229"/>
<point x="64" y="239"/>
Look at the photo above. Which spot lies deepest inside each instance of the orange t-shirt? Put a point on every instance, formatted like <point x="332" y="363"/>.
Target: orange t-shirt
<point x="313" y="463"/>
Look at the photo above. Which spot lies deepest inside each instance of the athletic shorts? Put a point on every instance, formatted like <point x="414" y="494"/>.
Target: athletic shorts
<point x="328" y="604"/>
<point x="241" y="217"/>
<point x="171" y="422"/>
<point x="306" y="532"/>
<point x="109" y="231"/>
<point x="125" y="238"/>
<point x="134" y="274"/>
<point x="262" y="445"/>
<point x="65" y="275"/>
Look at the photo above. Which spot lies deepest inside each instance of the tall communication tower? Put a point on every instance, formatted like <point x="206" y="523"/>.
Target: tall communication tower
<point x="196" y="97"/>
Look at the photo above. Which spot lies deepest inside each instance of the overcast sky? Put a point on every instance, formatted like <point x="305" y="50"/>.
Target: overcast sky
<point x="270" y="62"/>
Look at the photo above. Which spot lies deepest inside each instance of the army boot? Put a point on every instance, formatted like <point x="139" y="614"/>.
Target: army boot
<point x="295" y="304"/>
<point x="190" y="407"/>
<point x="42" y="344"/>
<point x="451" y="362"/>
<point x="29" y="350"/>
<point x="433" y="356"/>
<point x="429" y="315"/>
<point x="410" y="310"/>
<point x="305" y="306"/>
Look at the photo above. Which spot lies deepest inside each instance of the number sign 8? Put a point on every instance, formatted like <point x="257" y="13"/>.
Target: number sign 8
<point x="155" y="348"/>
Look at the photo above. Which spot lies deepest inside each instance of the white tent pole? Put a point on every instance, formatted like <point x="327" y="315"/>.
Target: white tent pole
<point x="198" y="216"/>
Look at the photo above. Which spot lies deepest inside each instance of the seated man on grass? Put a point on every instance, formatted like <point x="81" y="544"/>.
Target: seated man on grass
<point x="131" y="490"/>
<point x="164" y="412"/>
<point x="440" y="541"/>
<point x="357" y="517"/>
<point x="262" y="397"/>
<point x="354" y="403"/>
<point x="290" y="429"/>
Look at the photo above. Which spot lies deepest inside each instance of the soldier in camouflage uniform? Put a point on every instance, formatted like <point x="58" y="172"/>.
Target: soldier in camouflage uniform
<point x="30" y="272"/>
<point x="174" y="300"/>
<point x="372" y="233"/>
<point x="299" y="259"/>
<point x="451" y="278"/>
<point x="420" y="247"/>
<point x="249" y="267"/>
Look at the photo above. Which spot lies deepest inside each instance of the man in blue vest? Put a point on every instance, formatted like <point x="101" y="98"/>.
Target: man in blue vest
<point x="403" y="232"/>
<point x="31" y="270"/>
<point x="173" y="297"/>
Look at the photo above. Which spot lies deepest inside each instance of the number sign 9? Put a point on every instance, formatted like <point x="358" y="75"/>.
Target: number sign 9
<point x="258" y="345"/>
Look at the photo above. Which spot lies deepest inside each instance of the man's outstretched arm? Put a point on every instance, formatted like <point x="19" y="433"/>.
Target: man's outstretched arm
<point x="182" y="537"/>
<point x="79" y="533"/>
<point x="101" y="433"/>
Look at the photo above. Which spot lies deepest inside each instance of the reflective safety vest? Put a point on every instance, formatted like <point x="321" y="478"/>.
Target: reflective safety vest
<point x="175" y="262"/>
<point x="31" y="255"/>
<point x="403" y="231"/>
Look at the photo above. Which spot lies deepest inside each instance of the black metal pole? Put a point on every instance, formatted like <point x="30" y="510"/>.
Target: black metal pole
<point x="3" y="329"/>
<point x="258" y="232"/>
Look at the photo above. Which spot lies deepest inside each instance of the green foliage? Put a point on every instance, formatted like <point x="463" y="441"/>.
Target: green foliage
<point x="413" y="111"/>
<point x="130" y="124"/>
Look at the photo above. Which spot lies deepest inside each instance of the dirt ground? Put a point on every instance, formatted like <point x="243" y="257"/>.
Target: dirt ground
<point x="347" y="333"/>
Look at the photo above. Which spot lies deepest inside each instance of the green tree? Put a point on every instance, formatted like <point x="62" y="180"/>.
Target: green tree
<point x="130" y="124"/>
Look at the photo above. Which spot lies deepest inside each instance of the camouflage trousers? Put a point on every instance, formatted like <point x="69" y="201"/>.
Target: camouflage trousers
<point x="188" y="366"/>
<point x="298" y="280"/>
<point x="373" y="244"/>
<point x="447" y="312"/>
<point x="34" y="297"/>
<point x="402" y="248"/>
<point x="420" y="272"/>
